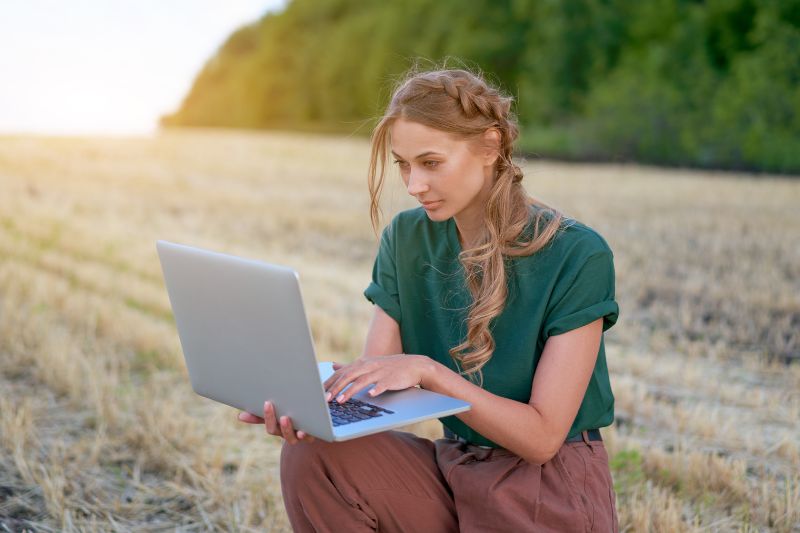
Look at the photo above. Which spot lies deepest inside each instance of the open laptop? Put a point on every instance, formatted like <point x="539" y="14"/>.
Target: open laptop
<point x="246" y="339"/>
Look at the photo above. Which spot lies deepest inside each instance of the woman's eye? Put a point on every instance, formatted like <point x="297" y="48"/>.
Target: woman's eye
<point x="431" y="164"/>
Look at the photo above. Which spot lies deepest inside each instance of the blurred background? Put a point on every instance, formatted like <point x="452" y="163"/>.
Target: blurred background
<point x="671" y="127"/>
<point x="708" y="84"/>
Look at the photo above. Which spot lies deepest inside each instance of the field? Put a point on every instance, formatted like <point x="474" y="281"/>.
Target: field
<point x="99" y="430"/>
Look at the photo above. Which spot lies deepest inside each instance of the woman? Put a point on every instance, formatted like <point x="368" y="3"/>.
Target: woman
<point x="485" y="295"/>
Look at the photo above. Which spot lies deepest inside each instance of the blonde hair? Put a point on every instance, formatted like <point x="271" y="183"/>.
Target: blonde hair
<point x="461" y="103"/>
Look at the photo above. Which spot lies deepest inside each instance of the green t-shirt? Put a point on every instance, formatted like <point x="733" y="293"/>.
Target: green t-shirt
<point x="418" y="280"/>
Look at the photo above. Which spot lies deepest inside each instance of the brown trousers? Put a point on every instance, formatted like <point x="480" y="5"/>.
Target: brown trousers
<point x="395" y="481"/>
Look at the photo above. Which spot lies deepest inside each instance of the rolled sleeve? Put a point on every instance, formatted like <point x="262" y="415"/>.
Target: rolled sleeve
<point x="583" y="298"/>
<point x="382" y="290"/>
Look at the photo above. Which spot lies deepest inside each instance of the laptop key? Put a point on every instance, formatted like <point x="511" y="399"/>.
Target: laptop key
<point x="353" y="411"/>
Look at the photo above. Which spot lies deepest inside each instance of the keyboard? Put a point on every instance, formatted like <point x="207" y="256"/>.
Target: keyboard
<point x="354" y="411"/>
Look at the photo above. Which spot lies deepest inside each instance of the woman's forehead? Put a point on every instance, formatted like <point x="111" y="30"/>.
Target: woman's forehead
<point x="411" y="139"/>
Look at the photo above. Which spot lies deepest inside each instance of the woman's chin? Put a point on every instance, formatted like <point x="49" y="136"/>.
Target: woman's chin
<point x="437" y="215"/>
<point x="437" y="211"/>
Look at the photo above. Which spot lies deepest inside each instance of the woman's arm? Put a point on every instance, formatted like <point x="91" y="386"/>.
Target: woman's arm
<point x="534" y="431"/>
<point x="383" y="336"/>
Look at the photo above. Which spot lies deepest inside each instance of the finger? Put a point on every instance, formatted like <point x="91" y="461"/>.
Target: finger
<point x="377" y="389"/>
<point x="330" y="381"/>
<point x="333" y="377"/>
<point x="287" y="430"/>
<point x="332" y="384"/>
<point x="250" y="418"/>
<point x="340" y="369"/>
<point x="345" y="379"/>
<point x="338" y="386"/>
<point x="356" y="386"/>
<point x="270" y="423"/>
<point x="305" y="437"/>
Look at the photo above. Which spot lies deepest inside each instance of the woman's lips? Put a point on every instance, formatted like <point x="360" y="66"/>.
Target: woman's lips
<point x="432" y="205"/>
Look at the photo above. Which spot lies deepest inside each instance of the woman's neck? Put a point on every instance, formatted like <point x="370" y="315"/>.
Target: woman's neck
<point x="468" y="230"/>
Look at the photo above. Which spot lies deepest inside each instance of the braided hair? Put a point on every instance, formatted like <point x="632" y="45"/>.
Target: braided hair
<point x="463" y="104"/>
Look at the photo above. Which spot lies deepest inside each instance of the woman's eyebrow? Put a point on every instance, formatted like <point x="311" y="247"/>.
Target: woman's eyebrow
<point x="423" y="154"/>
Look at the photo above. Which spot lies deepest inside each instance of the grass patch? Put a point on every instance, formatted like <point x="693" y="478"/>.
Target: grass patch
<point x="627" y="471"/>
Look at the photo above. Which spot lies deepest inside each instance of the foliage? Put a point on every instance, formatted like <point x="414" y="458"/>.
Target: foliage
<point x="675" y="82"/>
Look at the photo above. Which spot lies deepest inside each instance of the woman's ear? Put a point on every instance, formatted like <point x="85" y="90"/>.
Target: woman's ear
<point x="491" y="144"/>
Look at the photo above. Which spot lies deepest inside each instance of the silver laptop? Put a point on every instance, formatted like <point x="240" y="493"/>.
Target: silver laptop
<point x="245" y="338"/>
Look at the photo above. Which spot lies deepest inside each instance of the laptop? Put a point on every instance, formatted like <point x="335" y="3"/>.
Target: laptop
<point x="245" y="338"/>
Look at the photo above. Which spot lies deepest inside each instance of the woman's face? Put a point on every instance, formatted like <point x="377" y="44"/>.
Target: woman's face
<point x="450" y="177"/>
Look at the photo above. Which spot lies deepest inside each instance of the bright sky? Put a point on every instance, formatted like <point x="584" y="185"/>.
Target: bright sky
<point x="107" y="66"/>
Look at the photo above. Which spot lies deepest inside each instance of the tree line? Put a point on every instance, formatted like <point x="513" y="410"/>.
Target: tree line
<point x="712" y="83"/>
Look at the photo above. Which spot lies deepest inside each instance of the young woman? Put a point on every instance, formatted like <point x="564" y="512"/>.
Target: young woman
<point x="483" y="294"/>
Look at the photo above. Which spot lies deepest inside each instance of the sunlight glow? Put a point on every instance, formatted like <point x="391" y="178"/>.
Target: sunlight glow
<point x="100" y="67"/>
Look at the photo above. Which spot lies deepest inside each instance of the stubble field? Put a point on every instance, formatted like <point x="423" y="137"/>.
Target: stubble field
<point x="99" y="429"/>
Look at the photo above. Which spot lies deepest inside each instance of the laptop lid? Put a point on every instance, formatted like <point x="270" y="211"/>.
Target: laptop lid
<point x="244" y="334"/>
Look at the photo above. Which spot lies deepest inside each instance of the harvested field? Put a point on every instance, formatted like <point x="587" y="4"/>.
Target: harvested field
<point x="100" y="431"/>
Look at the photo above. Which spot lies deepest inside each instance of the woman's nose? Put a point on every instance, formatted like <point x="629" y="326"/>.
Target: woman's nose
<point x="416" y="184"/>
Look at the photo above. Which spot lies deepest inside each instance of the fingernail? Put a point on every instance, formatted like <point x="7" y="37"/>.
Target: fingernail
<point x="327" y="396"/>
<point x="266" y="404"/>
<point x="340" y="398"/>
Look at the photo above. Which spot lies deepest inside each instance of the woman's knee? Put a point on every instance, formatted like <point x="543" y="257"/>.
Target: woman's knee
<point x="308" y="458"/>
<point x="299" y="459"/>
<point x="305" y="458"/>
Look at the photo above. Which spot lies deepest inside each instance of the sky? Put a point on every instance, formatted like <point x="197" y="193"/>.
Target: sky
<point x="111" y="67"/>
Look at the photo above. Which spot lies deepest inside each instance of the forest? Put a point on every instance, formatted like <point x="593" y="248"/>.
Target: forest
<point x="707" y="84"/>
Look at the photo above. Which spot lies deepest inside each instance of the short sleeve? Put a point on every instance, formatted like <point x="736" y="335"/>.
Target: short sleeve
<point x="582" y="296"/>
<point x="382" y="291"/>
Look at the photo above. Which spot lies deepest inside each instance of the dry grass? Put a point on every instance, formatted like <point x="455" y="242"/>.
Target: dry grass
<point x="99" y="430"/>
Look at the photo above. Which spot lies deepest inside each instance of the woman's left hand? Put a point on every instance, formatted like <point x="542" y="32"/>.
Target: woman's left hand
<point x="387" y="372"/>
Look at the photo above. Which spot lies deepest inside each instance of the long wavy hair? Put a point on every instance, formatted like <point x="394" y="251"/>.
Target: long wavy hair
<point x="463" y="104"/>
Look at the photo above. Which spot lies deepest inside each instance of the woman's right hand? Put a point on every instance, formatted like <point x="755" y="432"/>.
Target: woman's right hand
<point x="280" y="427"/>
